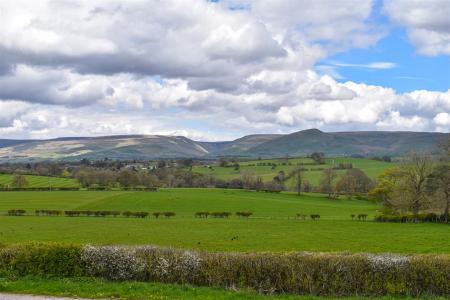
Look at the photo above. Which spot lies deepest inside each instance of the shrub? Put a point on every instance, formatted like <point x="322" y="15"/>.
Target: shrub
<point x="244" y="214"/>
<point x="156" y="214"/>
<point x="169" y="214"/>
<point x="362" y="217"/>
<point x="352" y="216"/>
<point x="315" y="217"/>
<point x="322" y="274"/>
<point x="202" y="214"/>
<point x="411" y="218"/>
<point x="301" y="216"/>
<point x="46" y="212"/>
<point x="220" y="214"/>
<point x="16" y="212"/>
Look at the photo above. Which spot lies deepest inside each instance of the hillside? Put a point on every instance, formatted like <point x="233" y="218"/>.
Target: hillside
<point x="265" y="145"/>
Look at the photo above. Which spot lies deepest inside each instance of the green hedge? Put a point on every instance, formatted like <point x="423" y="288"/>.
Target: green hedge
<point x="333" y="274"/>
<point x="411" y="218"/>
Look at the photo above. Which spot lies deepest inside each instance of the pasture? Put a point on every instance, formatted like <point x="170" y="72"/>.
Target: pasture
<point x="41" y="181"/>
<point x="272" y="227"/>
<point x="313" y="174"/>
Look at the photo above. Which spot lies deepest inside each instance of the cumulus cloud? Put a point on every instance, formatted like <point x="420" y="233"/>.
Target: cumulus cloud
<point x="427" y="23"/>
<point x="196" y="68"/>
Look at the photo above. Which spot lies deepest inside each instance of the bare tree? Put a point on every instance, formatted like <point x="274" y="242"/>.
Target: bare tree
<point x="327" y="182"/>
<point x="412" y="188"/>
<point x="297" y="175"/>
<point x="19" y="181"/>
<point x="438" y="185"/>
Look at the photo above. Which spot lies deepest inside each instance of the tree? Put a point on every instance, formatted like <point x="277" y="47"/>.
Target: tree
<point x="326" y="184"/>
<point x="438" y="185"/>
<point x="318" y="157"/>
<point x="404" y="188"/>
<point x="297" y="175"/>
<point x="415" y="172"/>
<point x="354" y="181"/>
<point x="128" y="178"/>
<point x="248" y="178"/>
<point x="19" y="181"/>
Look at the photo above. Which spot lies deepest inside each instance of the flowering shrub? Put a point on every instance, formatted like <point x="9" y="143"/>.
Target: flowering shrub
<point x="336" y="274"/>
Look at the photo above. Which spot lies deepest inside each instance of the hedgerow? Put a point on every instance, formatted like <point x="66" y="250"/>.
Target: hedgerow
<point x="336" y="274"/>
<point x="411" y="218"/>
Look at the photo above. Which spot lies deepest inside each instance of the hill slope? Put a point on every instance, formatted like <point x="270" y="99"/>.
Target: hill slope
<point x="266" y="145"/>
<point x="348" y="143"/>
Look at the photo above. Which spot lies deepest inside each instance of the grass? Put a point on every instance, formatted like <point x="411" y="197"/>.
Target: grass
<point x="41" y="181"/>
<point x="271" y="229"/>
<point x="372" y="168"/>
<point x="98" y="288"/>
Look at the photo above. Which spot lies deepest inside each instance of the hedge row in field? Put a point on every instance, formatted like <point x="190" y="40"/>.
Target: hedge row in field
<point x="298" y="273"/>
<point x="418" y="218"/>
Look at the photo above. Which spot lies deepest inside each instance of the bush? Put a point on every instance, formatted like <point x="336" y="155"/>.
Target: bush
<point x="202" y="214"/>
<point x="244" y="214"/>
<point x="169" y="214"/>
<point x="156" y="214"/>
<point x="362" y="217"/>
<point x="315" y="217"/>
<point x="220" y="214"/>
<point x="46" y="212"/>
<point x="16" y="212"/>
<point x="322" y="274"/>
<point x="411" y="218"/>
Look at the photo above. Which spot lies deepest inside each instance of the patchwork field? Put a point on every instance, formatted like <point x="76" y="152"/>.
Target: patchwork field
<point x="41" y="181"/>
<point x="372" y="168"/>
<point x="271" y="228"/>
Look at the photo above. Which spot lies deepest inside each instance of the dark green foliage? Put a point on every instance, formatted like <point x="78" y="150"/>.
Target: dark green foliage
<point x="47" y="212"/>
<point x="362" y="217"/>
<point x="169" y="214"/>
<point x="44" y="260"/>
<point x="202" y="214"/>
<point x="411" y="218"/>
<point x="315" y="217"/>
<point x="244" y="214"/>
<point x="16" y="212"/>
<point x="220" y="214"/>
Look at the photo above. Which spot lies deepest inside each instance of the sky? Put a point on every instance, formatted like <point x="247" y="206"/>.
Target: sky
<point x="218" y="70"/>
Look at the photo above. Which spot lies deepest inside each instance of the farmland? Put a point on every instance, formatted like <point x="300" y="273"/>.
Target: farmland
<point x="271" y="228"/>
<point x="265" y="169"/>
<point x="41" y="181"/>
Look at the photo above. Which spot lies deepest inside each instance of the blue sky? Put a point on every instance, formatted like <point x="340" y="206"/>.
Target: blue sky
<point x="412" y="71"/>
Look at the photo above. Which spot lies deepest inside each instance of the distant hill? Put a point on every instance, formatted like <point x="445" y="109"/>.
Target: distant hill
<point x="364" y="143"/>
<point x="349" y="143"/>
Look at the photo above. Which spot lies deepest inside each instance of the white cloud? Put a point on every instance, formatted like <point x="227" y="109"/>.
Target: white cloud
<point x="195" y="68"/>
<point x="427" y="23"/>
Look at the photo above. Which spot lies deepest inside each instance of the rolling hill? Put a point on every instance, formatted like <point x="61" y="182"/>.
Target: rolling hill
<point x="265" y="145"/>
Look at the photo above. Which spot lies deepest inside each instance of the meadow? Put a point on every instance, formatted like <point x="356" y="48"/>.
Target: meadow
<point x="372" y="168"/>
<point x="41" y="181"/>
<point x="272" y="227"/>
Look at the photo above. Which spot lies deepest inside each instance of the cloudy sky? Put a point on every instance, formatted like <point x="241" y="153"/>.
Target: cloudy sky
<point x="214" y="70"/>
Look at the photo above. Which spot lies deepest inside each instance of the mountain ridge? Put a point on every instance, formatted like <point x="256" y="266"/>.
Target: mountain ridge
<point x="140" y="146"/>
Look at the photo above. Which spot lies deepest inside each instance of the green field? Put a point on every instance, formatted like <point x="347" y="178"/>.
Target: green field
<point x="271" y="228"/>
<point x="372" y="168"/>
<point x="98" y="288"/>
<point x="40" y="181"/>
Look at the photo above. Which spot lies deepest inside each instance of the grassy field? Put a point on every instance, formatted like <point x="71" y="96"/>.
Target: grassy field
<point x="372" y="168"/>
<point x="272" y="227"/>
<point x="41" y="181"/>
<point x="97" y="288"/>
